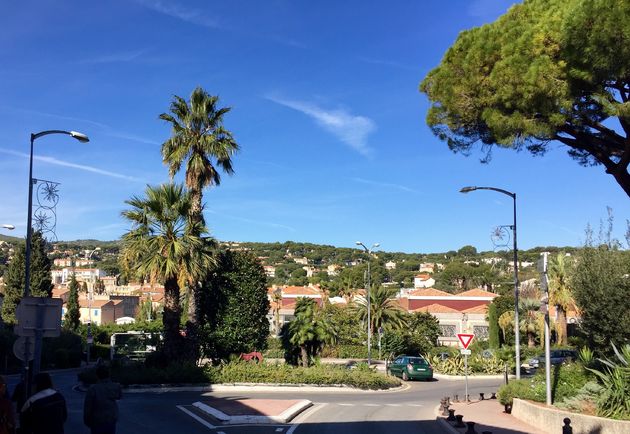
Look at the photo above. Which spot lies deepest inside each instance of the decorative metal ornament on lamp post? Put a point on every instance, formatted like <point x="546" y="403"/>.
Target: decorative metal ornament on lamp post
<point x="368" y="295"/>
<point x="517" y="340"/>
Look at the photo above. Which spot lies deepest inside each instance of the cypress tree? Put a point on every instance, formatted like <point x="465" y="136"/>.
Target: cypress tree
<point x="73" y="314"/>
<point x="493" y="330"/>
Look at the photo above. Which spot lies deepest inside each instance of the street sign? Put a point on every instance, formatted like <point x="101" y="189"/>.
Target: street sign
<point x="27" y="316"/>
<point x="465" y="352"/>
<point x="24" y="347"/>
<point x="465" y="339"/>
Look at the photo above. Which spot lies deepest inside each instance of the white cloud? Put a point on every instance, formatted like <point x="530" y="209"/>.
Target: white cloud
<point x="181" y="13"/>
<point x="350" y="129"/>
<point x="57" y="162"/>
<point x="121" y="57"/>
<point x="384" y="184"/>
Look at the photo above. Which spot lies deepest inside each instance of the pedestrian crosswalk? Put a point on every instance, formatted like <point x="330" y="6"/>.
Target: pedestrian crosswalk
<point x="370" y="404"/>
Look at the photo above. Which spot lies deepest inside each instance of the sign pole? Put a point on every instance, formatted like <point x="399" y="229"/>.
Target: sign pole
<point x="465" y="339"/>
<point x="466" y="374"/>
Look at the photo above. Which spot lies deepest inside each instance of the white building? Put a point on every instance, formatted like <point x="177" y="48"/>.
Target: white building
<point x="63" y="276"/>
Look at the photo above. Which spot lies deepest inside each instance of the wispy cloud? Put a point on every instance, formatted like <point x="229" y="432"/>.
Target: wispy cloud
<point x="179" y="12"/>
<point x="385" y="184"/>
<point x="57" y="162"/>
<point x="106" y="129"/>
<point x="351" y="129"/>
<point x="390" y="63"/>
<point x="121" y="57"/>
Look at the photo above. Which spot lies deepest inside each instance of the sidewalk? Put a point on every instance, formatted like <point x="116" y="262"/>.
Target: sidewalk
<point x="489" y="416"/>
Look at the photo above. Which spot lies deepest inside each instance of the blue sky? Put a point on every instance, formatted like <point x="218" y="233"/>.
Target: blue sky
<point x="325" y="106"/>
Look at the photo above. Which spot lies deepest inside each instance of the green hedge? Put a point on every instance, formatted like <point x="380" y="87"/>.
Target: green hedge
<point x="245" y="372"/>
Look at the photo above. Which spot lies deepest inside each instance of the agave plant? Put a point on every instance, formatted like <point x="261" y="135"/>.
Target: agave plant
<point x="614" y="402"/>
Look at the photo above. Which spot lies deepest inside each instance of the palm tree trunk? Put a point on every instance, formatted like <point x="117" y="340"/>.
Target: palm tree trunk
<point x="531" y="341"/>
<point x="304" y="355"/>
<point x="562" y="326"/>
<point x="192" y="325"/>
<point x="171" y="319"/>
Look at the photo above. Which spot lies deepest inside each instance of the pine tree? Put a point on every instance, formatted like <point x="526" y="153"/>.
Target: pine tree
<point x="41" y="283"/>
<point x="72" y="319"/>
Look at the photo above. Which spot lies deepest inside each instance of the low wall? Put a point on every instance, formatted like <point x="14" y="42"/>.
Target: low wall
<point x="551" y="420"/>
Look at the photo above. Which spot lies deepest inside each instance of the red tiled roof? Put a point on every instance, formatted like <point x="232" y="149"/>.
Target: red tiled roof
<point x="476" y="292"/>
<point x="299" y="290"/>
<point x="482" y="308"/>
<point x="436" y="308"/>
<point x="429" y="292"/>
<point x="423" y="276"/>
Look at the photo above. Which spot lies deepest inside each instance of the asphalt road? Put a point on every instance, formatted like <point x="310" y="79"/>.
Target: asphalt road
<point x="407" y="411"/>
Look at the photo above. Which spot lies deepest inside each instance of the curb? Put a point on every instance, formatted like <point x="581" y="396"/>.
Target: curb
<point x="283" y="417"/>
<point x="472" y="377"/>
<point x="260" y="387"/>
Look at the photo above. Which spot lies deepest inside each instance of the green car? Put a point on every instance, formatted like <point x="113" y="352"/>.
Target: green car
<point x="411" y="368"/>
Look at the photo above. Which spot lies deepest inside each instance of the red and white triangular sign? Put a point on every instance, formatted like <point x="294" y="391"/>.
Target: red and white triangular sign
<point x="465" y="339"/>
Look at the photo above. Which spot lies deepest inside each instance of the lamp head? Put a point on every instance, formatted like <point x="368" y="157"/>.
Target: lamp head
<point x="9" y="227"/>
<point x="376" y="244"/>
<point x="467" y="189"/>
<point x="358" y="243"/>
<point x="79" y="136"/>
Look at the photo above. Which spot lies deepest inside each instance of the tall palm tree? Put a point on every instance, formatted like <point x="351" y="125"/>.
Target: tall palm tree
<point x="506" y="323"/>
<point x="385" y="310"/>
<point x="165" y="245"/>
<point x="276" y="298"/>
<point x="560" y="294"/>
<point x="200" y="141"/>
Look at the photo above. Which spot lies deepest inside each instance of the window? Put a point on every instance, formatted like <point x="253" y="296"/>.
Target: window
<point x="448" y="330"/>
<point x="95" y="313"/>
<point x="481" y="332"/>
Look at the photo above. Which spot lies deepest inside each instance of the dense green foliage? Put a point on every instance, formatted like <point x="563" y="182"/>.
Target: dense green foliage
<point x="547" y="70"/>
<point x="614" y="376"/>
<point x="307" y="333"/>
<point x="235" y="305"/>
<point x="602" y="289"/>
<point x="41" y="283"/>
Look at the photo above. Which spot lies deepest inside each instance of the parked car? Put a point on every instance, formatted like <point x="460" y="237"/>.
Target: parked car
<point x="557" y="357"/>
<point x="411" y="368"/>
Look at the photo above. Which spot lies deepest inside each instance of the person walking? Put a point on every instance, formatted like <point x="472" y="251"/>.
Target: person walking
<point x="7" y="420"/>
<point x="45" y="412"/>
<point x="100" y="410"/>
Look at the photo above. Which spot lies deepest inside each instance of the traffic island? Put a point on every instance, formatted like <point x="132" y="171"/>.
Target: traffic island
<point x="252" y="411"/>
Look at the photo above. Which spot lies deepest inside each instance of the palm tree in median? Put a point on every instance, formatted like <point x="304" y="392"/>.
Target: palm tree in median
<point x="310" y="329"/>
<point x="200" y="141"/>
<point x="165" y="245"/>
<point x="384" y="309"/>
<point x="560" y="294"/>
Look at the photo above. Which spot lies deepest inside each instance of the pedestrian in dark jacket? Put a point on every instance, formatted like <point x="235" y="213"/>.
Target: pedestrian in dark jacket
<point x="100" y="410"/>
<point x="45" y="412"/>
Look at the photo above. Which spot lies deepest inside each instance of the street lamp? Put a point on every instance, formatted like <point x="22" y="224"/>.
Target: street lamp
<point x="9" y="227"/>
<point x="29" y="236"/>
<point x="29" y="230"/>
<point x="369" y="306"/>
<point x="517" y="340"/>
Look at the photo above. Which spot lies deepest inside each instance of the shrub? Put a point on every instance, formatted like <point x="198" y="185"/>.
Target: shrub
<point x="614" y="402"/>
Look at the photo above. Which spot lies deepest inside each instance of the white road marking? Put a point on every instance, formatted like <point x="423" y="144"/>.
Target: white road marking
<point x="346" y="405"/>
<point x="371" y="405"/>
<point x="415" y="405"/>
<point x="197" y="418"/>
<point x="394" y="405"/>
<point x="302" y="417"/>
<point x="220" y="432"/>
<point x="279" y="429"/>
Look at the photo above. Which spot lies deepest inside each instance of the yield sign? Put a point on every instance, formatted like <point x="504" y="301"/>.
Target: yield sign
<point x="465" y="339"/>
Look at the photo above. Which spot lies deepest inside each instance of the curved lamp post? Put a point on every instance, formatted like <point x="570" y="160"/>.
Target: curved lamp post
<point x="369" y="307"/>
<point x="29" y="236"/>
<point x="90" y="295"/>
<point x="517" y="340"/>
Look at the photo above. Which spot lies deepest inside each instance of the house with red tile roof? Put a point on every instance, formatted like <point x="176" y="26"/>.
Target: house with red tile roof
<point x="423" y="280"/>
